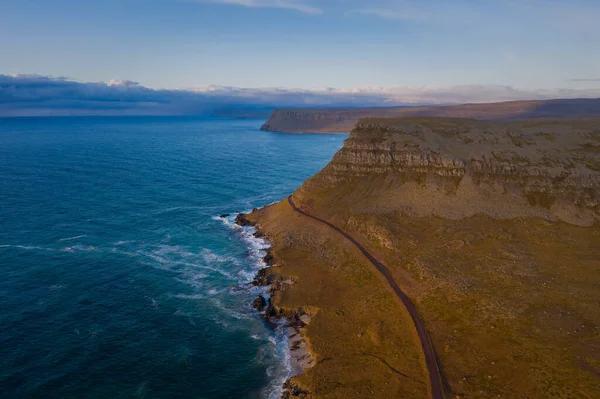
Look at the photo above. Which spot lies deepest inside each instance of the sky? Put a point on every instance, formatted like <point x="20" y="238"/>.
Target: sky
<point x="497" y="49"/>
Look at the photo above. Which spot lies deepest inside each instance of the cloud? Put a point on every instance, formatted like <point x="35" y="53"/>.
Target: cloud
<point x="286" y="4"/>
<point x="23" y="95"/>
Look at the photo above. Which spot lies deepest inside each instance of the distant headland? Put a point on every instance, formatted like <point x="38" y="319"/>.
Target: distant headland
<point x="342" y="120"/>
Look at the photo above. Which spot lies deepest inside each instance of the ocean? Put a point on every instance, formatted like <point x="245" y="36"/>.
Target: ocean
<point x="118" y="278"/>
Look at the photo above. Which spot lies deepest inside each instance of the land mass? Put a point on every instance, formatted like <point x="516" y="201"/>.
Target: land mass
<point x="342" y="120"/>
<point x="492" y="231"/>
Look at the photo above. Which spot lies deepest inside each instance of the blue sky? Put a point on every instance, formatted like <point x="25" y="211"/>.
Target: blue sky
<point x="523" y="46"/>
<point x="305" y="43"/>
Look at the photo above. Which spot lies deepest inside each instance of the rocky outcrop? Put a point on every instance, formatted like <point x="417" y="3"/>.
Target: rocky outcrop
<point x="457" y="168"/>
<point x="337" y="120"/>
<point x="301" y="358"/>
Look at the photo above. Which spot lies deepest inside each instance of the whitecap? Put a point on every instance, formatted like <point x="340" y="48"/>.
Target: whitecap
<point x="118" y="243"/>
<point x="80" y="248"/>
<point x="28" y="247"/>
<point x="188" y="296"/>
<point x="73" y="238"/>
<point x="229" y="312"/>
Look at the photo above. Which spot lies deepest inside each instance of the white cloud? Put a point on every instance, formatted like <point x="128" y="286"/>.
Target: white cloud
<point x="286" y="4"/>
<point x="35" y="95"/>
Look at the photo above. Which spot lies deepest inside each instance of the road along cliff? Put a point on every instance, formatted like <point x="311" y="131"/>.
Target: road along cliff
<point x="489" y="228"/>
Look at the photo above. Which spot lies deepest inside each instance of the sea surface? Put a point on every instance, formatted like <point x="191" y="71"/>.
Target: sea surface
<point x="118" y="279"/>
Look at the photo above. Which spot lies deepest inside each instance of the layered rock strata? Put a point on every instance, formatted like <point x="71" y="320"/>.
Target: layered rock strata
<point x="335" y="120"/>
<point x="457" y="168"/>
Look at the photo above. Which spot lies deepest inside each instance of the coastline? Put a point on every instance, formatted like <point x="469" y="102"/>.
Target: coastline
<point x="301" y="358"/>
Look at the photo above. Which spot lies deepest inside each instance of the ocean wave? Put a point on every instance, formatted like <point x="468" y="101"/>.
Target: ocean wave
<point x="188" y="296"/>
<point x="229" y="312"/>
<point x="73" y="238"/>
<point x="28" y="247"/>
<point x="81" y="248"/>
<point x="119" y="243"/>
<point x="256" y="246"/>
<point x="278" y="343"/>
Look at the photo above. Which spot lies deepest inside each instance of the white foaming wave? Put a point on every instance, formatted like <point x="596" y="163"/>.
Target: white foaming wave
<point x="209" y="256"/>
<point x="231" y="313"/>
<point x="29" y="247"/>
<point x="169" y="258"/>
<point x="257" y="246"/>
<point x="119" y="243"/>
<point x="214" y="269"/>
<point x="188" y="296"/>
<point x="280" y="344"/>
<point x="81" y="248"/>
<point x="192" y="278"/>
<point x="73" y="238"/>
<point x="165" y="249"/>
<point x="247" y="276"/>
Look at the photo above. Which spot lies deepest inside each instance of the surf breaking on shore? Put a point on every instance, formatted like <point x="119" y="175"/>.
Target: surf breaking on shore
<point x="287" y="325"/>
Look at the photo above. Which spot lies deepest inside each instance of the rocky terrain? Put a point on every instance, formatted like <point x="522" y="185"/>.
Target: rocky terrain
<point x="492" y="230"/>
<point x="455" y="168"/>
<point x="343" y="120"/>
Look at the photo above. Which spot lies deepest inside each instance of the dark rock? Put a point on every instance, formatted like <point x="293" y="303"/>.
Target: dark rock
<point x="260" y="303"/>
<point x="243" y="221"/>
<point x="268" y="259"/>
<point x="292" y="390"/>
<point x="225" y="215"/>
<point x="262" y="278"/>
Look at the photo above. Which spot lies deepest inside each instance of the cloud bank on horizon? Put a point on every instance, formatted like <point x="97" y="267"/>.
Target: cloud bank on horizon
<point x="34" y="95"/>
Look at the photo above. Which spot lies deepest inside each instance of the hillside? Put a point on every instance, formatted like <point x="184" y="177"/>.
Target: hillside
<point x="343" y="120"/>
<point x="491" y="229"/>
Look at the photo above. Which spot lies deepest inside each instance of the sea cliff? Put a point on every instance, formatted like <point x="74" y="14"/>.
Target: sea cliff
<point x="491" y="228"/>
<point x="336" y="120"/>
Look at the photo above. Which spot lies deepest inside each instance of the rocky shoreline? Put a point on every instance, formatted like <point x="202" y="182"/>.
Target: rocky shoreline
<point x="301" y="358"/>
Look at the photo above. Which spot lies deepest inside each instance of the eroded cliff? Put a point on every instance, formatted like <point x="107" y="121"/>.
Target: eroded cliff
<point x="491" y="229"/>
<point x="343" y="120"/>
<point x="457" y="168"/>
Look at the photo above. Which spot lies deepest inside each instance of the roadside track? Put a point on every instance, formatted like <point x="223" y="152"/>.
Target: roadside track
<point x="435" y="376"/>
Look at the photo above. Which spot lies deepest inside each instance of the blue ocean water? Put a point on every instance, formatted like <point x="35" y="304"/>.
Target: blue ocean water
<point x="117" y="278"/>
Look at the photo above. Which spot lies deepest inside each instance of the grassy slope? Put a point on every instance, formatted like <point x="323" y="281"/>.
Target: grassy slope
<point x="361" y="336"/>
<point x="512" y="306"/>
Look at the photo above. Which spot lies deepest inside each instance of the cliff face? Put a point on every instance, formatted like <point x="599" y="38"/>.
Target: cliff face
<point x="343" y="120"/>
<point x="469" y="218"/>
<point x="457" y="168"/>
<point x="322" y="120"/>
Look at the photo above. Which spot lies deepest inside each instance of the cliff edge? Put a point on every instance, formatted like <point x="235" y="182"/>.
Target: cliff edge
<point x="490" y="228"/>
<point x="456" y="168"/>
<point x="343" y="120"/>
